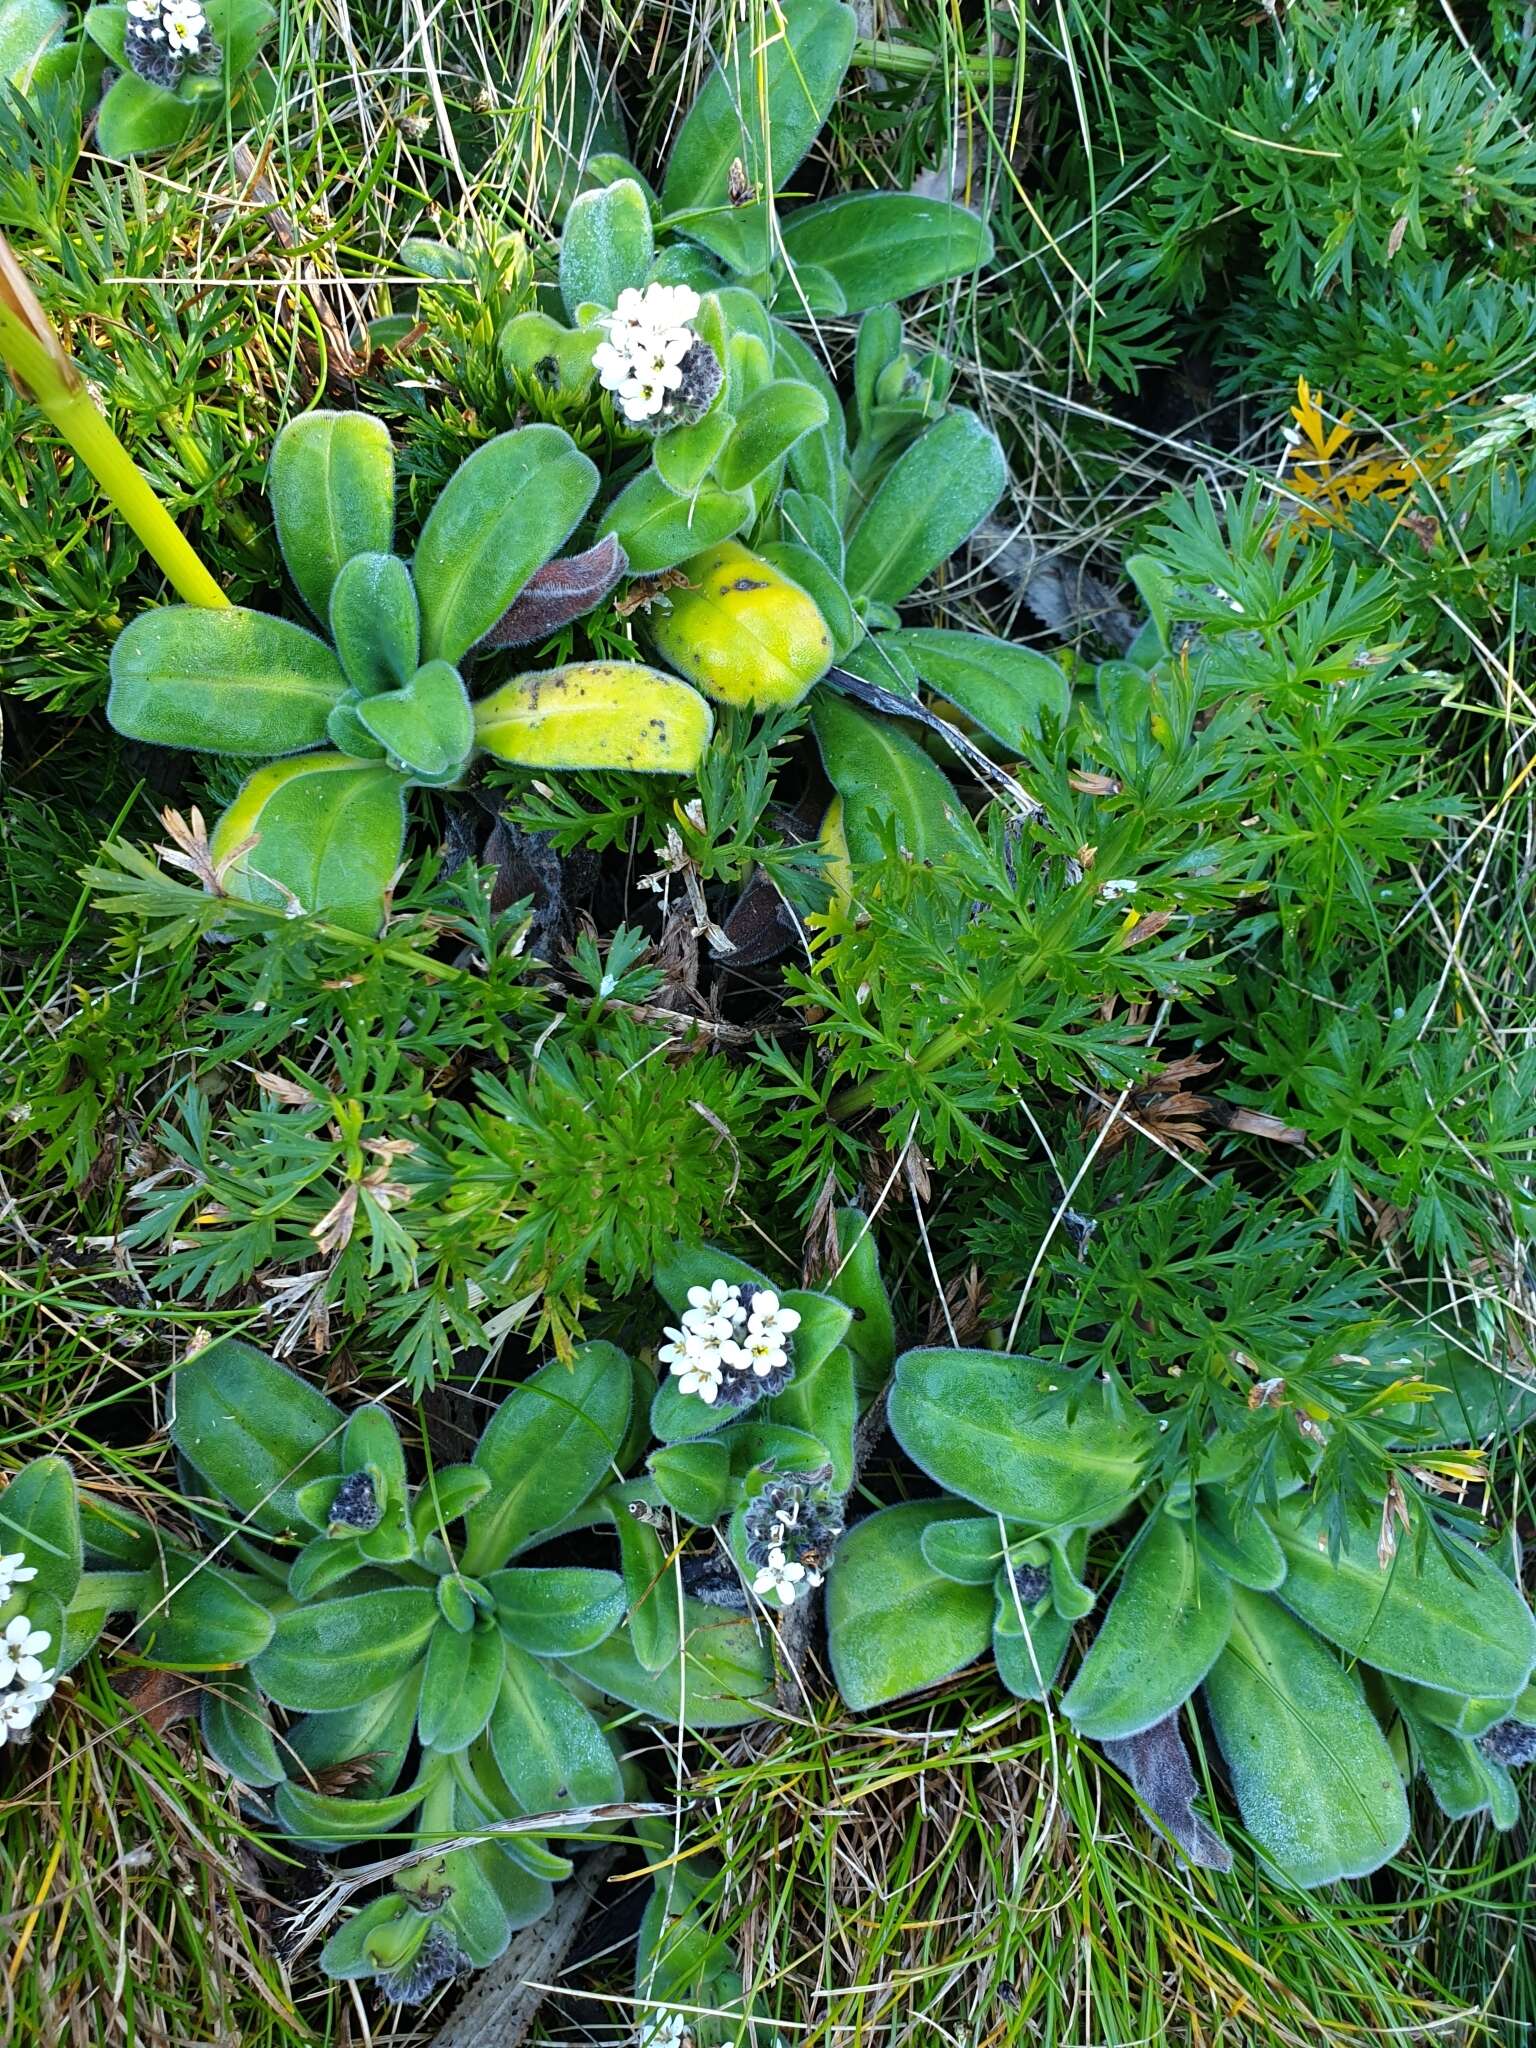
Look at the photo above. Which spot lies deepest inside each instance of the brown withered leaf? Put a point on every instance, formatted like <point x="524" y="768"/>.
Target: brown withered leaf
<point x="1165" y="1108"/>
<point x="158" y="1698"/>
<point x="565" y="589"/>
<point x="335" y="1779"/>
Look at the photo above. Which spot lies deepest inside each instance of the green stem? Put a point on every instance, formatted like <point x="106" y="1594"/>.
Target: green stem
<point x="909" y="60"/>
<point x="56" y="387"/>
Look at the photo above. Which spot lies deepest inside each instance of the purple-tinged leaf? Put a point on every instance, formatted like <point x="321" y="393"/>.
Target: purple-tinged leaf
<point x="561" y="591"/>
<point x="1157" y="1764"/>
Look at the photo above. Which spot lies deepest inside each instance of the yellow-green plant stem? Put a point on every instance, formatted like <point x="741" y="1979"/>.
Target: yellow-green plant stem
<point x="62" y="396"/>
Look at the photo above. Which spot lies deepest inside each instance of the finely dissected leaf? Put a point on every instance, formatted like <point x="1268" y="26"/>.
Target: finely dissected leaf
<point x="557" y="1611"/>
<point x="565" y="589"/>
<point x="40" y="1514"/>
<point x="880" y="246"/>
<point x="338" y="1653"/>
<point x="549" y="1444"/>
<point x="375" y="622"/>
<point x="893" y="1625"/>
<point x="606" y="245"/>
<point x="328" y="833"/>
<point x="981" y="1423"/>
<point x="332" y="487"/>
<point x="742" y="629"/>
<point x="596" y="714"/>
<point x="790" y="69"/>
<point x="500" y="516"/>
<point x="936" y="493"/>
<point x="724" y="1678"/>
<point x="256" y="1433"/>
<point x="657" y="528"/>
<point x="548" y="1747"/>
<point x="1005" y="689"/>
<point x="426" y="726"/>
<point x="882" y="775"/>
<point x="767" y="426"/>
<point x="201" y="1620"/>
<point x="1314" y="1777"/>
<point x="1165" y="1628"/>
<point x="1157" y="1764"/>
<point x="1461" y="1628"/>
<point x="225" y="681"/>
<point x="459" y="1685"/>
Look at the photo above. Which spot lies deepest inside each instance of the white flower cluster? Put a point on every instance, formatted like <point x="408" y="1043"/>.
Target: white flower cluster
<point x="666" y="2030"/>
<point x="641" y="362"/>
<point x="180" y="24"/>
<point x="26" y="1684"/>
<point x="721" y="1333"/>
<point x="784" y="1578"/>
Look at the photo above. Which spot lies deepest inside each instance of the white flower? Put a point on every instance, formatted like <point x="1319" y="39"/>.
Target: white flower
<point x="721" y="1297"/>
<point x="20" y="1648"/>
<point x="781" y="1576"/>
<point x="665" y="2030"/>
<point x="770" y="1321"/>
<point x="648" y="337"/>
<point x="14" y="1569"/>
<point x="758" y="1353"/>
<point x="184" y="25"/>
<point x="701" y="1376"/>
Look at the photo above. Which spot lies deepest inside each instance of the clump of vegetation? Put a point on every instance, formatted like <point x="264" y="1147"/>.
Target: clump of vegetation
<point x="836" y="1120"/>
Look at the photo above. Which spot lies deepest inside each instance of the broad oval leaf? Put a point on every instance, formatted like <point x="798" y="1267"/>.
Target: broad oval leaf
<point x="724" y="1678"/>
<point x="27" y="29"/>
<point x="373" y="1737"/>
<point x="982" y="1423"/>
<point x="222" y="680"/>
<point x="767" y="426"/>
<point x="1315" y="1780"/>
<point x="426" y="726"/>
<point x="606" y="245"/>
<point x="821" y="1400"/>
<point x="136" y="118"/>
<point x="657" y="528"/>
<point x="40" y="1515"/>
<point x="565" y="589"/>
<point x="743" y="630"/>
<point x="883" y="777"/>
<point x="596" y="714"/>
<point x="1006" y="690"/>
<point x="1463" y="1780"/>
<point x="788" y="69"/>
<point x="332" y="487"/>
<point x="557" y="1611"/>
<point x="548" y="1746"/>
<point x="1241" y="1545"/>
<point x="936" y="492"/>
<point x="855" y="1281"/>
<point x="652" y="1623"/>
<point x="459" y="1685"/>
<point x="1461" y="1627"/>
<point x="202" y="1620"/>
<point x="968" y="1549"/>
<point x="1165" y="1628"/>
<point x="693" y="1478"/>
<point x="500" y="516"/>
<point x="885" y="245"/>
<point x="893" y="1625"/>
<point x="326" y="835"/>
<point x="339" y="1653"/>
<point x="804" y="566"/>
<point x="375" y="622"/>
<point x="256" y="1433"/>
<point x="237" y="1732"/>
<point x="547" y="1447"/>
<point x="321" y="1818"/>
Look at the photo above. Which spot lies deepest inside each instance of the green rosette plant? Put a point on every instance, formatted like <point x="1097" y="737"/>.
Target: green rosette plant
<point x="423" y="1677"/>
<point x="320" y="828"/>
<point x="180" y="64"/>
<point x="1333" y="1650"/>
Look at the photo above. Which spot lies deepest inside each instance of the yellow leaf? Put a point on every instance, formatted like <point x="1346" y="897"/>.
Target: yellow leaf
<point x="596" y="714"/>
